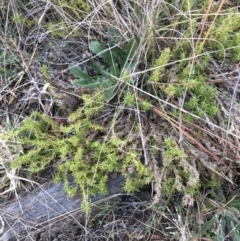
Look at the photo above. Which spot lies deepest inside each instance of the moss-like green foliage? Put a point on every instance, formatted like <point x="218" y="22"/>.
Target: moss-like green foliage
<point x="181" y="175"/>
<point x="84" y="152"/>
<point x="159" y="66"/>
<point x="74" y="7"/>
<point x="189" y="78"/>
<point x="226" y="33"/>
<point x="183" y="73"/>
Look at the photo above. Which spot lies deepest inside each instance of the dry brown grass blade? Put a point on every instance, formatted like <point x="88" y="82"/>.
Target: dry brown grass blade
<point x="214" y="135"/>
<point x="181" y="128"/>
<point x="211" y="26"/>
<point x="230" y="151"/>
<point x="212" y="23"/>
<point x="204" y="22"/>
<point x="220" y="81"/>
<point x="26" y="68"/>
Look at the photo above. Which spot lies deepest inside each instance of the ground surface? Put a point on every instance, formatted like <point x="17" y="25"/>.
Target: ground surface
<point x="40" y="41"/>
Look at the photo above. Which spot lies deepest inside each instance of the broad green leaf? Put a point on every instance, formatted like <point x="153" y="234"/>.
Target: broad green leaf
<point x="9" y="60"/>
<point x="116" y="51"/>
<point x="235" y="231"/>
<point x="131" y="48"/>
<point x="78" y="73"/>
<point x="235" y="203"/>
<point x="96" y="66"/>
<point x="221" y="228"/>
<point x="123" y="61"/>
<point x="109" y="93"/>
<point x="1" y="54"/>
<point x="114" y="70"/>
<point x="208" y="224"/>
<point x="8" y="73"/>
<point x="97" y="47"/>
<point x="86" y="83"/>
<point x="233" y="216"/>
<point x="6" y="59"/>
<point x="119" y="55"/>
<point x="104" y="82"/>
<point x="114" y="33"/>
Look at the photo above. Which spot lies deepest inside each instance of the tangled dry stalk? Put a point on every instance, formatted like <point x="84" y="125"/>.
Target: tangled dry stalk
<point x="40" y="40"/>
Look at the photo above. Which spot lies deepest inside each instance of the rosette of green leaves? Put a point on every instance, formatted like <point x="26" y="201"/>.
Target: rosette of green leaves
<point x="112" y="62"/>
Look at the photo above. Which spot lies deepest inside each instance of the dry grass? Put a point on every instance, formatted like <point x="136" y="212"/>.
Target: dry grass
<point x="34" y="34"/>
